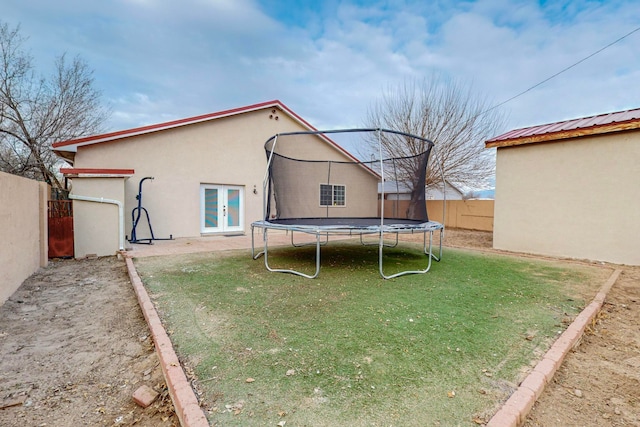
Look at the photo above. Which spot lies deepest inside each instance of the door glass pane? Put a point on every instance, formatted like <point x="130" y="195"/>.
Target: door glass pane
<point x="233" y="208"/>
<point x="211" y="207"/>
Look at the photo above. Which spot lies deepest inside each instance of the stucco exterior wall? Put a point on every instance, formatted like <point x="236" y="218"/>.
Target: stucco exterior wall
<point x="302" y="199"/>
<point x="224" y="151"/>
<point x="578" y="198"/>
<point x="299" y="184"/>
<point x="23" y="221"/>
<point x="96" y="225"/>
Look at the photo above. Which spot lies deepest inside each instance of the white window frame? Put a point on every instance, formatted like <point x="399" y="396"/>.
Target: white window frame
<point x="333" y="196"/>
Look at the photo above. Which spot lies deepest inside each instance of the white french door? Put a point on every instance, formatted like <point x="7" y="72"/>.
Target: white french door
<point x="222" y="208"/>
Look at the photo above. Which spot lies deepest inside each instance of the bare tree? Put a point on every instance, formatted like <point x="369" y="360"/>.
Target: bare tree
<point x="447" y="113"/>
<point x="37" y="111"/>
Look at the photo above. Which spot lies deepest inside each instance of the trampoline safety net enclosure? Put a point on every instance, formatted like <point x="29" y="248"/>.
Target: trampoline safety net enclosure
<point x="312" y="186"/>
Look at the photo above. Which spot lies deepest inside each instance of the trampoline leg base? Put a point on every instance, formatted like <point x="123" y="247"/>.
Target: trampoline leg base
<point x="388" y="245"/>
<point x="253" y="246"/>
<point x="265" y="252"/>
<point x="301" y="245"/>
<point x="428" y="250"/>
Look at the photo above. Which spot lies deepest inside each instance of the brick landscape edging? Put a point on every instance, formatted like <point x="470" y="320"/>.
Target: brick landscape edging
<point x="512" y="413"/>
<point x="184" y="399"/>
<point x="515" y="410"/>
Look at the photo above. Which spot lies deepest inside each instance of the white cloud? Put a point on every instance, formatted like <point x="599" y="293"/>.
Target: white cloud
<point x="138" y="109"/>
<point x="161" y="59"/>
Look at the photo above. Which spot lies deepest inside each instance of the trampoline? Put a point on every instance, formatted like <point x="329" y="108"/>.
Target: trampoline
<point x="343" y="196"/>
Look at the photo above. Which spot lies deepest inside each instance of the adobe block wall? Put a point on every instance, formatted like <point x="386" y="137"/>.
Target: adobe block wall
<point x="23" y="221"/>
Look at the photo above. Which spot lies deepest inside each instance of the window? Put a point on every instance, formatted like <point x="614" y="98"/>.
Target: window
<point x="333" y="195"/>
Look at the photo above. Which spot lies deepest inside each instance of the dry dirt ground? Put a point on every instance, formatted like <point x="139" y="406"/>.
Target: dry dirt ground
<point x="74" y="348"/>
<point x="599" y="383"/>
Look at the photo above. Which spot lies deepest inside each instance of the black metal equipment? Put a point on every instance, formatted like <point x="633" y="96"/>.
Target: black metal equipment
<point x="136" y="213"/>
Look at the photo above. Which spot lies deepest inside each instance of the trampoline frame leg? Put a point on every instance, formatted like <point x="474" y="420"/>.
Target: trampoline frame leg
<point x="265" y="252"/>
<point x="388" y="245"/>
<point x="427" y="251"/>
<point x="301" y="245"/>
<point x="253" y="246"/>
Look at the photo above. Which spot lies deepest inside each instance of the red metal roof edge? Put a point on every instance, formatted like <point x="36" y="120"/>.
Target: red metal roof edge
<point x="595" y="121"/>
<point x="110" y="136"/>
<point x="96" y="171"/>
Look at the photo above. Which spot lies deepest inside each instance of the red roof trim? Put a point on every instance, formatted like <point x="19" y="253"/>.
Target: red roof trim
<point x="94" y="139"/>
<point x="584" y="126"/>
<point x="73" y="144"/>
<point x="91" y="171"/>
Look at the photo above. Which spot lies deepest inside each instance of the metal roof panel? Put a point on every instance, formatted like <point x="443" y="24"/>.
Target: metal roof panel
<point x="573" y="124"/>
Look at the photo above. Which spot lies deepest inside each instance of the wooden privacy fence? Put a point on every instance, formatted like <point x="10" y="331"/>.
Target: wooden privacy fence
<point x="465" y="214"/>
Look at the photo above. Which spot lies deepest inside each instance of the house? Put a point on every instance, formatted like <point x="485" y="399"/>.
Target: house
<point x="207" y="175"/>
<point x="400" y="191"/>
<point x="571" y="188"/>
<point x="450" y="192"/>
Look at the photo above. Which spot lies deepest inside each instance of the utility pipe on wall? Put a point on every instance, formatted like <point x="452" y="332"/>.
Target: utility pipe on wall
<point x="112" y="202"/>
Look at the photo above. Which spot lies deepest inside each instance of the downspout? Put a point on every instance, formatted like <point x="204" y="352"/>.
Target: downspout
<point x="112" y="202"/>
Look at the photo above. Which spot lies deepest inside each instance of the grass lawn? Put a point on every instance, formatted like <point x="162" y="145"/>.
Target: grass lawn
<point x="349" y="348"/>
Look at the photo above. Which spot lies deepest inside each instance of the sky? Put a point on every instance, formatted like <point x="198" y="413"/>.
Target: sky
<point x="330" y="61"/>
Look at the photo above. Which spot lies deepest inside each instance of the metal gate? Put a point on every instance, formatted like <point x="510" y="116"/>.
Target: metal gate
<point x="60" y="229"/>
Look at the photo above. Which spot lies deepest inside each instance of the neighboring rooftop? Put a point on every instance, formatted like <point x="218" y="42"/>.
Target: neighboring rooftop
<point x="585" y="126"/>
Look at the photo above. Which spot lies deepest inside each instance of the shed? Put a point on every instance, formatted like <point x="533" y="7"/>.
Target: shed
<point x="571" y="188"/>
<point x="207" y="175"/>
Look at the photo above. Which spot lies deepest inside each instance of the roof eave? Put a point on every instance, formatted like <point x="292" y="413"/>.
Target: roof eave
<point x="564" y="135"/>
<point x="67" y="156"/>
<point x="73" y="144"/>
<point x="96" y="173"/>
